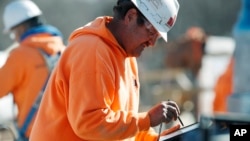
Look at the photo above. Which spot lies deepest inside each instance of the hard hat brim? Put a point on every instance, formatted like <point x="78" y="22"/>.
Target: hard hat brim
<point x="161" y="14"/>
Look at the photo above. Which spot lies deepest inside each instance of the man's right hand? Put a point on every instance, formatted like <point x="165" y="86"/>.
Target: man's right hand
<point x="165" y="111"/>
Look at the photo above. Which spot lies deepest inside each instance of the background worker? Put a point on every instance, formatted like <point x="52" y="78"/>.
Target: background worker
<point x="25" y="71"/>
<point x="93" y="94"/>
<point x="223" y="88"/>
<point x="186" y="51"/>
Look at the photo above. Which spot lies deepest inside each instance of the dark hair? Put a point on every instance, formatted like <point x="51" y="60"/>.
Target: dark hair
<point x="122" y="8"/>
<point x="35" y="21"/>
<point x="32" y="22"/>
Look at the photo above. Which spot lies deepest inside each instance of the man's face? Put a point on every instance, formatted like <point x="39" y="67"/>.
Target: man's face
<point x="139" y="36"/>
<point x="16" y="32"/>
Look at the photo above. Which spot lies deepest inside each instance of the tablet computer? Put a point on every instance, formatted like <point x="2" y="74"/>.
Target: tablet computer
<point x="179" y="134"/>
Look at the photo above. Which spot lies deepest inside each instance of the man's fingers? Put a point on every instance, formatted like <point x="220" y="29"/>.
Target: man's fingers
<point x="170" y="111"/>
<point x="173" y="104"/>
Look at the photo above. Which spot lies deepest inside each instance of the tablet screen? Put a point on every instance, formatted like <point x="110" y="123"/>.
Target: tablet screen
<point x="177" y="134"/>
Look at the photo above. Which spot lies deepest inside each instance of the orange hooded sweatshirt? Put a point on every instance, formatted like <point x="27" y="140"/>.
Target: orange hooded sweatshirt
<point x="25" y="71"/>
<point x="93" y="94"/>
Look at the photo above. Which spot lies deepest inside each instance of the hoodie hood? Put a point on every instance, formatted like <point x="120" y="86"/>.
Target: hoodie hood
<point x="50" y="44"/>
<point x="46" y="37"/>
<point x="98" y="28"/>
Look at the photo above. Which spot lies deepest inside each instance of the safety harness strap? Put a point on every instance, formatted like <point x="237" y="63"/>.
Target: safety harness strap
<point x="51" y="61"/>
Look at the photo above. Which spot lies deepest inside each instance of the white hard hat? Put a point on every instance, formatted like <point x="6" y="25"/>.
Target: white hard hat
<point x="161" y="14"/>
<point x="19" y="11"/>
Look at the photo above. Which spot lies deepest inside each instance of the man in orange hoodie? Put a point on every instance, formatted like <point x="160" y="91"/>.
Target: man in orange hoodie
<point x="93" y="94"/>
<point x="25" y="72"/>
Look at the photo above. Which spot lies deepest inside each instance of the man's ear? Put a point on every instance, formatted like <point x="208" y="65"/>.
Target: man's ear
<point x="130" y="15"/>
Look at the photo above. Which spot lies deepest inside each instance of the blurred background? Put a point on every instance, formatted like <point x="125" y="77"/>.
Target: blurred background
<point x="170" y="70"/>
<point x="215" y="16"/>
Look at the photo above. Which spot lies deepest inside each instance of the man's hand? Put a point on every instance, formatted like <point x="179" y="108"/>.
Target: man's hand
<point x="166" y="111"/>
<point x="171" y="130"/>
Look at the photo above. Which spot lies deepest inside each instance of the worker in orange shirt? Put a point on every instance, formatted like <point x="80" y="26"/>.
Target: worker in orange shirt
<point x="187" y="51"/>
<point x="93" y="94"/>
<point x="25" y="71"/>
<point x="223" y="89"/>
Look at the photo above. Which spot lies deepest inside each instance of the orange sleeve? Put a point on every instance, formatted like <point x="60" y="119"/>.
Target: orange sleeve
<point x="223" y="89"/>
